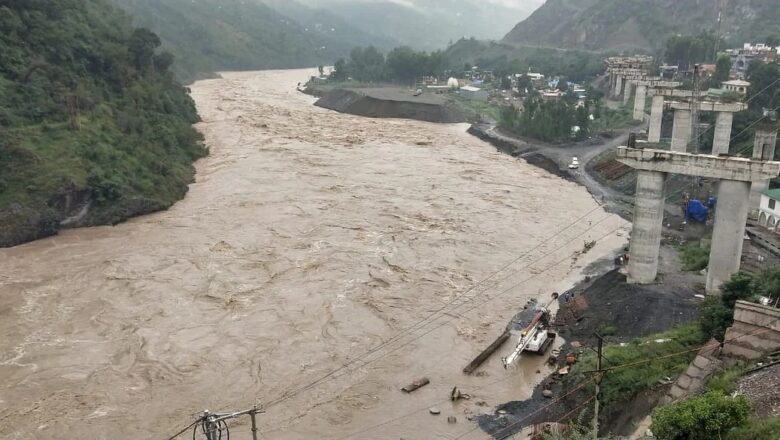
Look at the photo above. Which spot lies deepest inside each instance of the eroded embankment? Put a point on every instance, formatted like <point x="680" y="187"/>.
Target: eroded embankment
<point x="364" y="104"/>
<point x="313" y="244"/>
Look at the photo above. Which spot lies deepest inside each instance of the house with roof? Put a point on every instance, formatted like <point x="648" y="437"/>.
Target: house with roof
<point x="769" y="210"/>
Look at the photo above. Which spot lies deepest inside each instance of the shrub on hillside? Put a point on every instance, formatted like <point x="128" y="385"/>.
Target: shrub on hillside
<point x="705" y="417"/>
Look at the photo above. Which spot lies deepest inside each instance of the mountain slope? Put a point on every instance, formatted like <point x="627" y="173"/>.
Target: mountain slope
<point x="93" y="128"/>
<point x="641" y="24"/>
<point x="332" y="29"/>
<point x="212" y="35"/>
<point x="429" y="24"/>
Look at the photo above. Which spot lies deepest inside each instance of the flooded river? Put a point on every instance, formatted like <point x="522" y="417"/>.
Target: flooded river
<point x="309" y="238"/>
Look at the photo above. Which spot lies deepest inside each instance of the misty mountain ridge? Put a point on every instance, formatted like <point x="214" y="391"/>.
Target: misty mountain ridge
<point x="627" y="25"/>
<point x="430" y="24"/>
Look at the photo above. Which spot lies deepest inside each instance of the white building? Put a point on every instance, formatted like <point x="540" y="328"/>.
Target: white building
<point x="769" y="210"/>
<point x="474" y="93"/>
<point x="736" y="86"/>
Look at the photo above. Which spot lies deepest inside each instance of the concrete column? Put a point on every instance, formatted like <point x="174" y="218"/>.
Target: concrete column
<point x="722" y="139"/>
<point x="763" y="149"/>
<point x="729" y="231"/>
<point x="618" y="86"/>
<point x="681" y="131"/>
<point x="627" y="93"/>
<point x="764" y="144"/>
<point x="611" y="91"/>
<point x="656" y="119"/>
<point x="648" y="224"/>
<point x="639" y="103"/>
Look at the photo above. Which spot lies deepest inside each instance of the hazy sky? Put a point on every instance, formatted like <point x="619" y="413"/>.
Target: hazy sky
<point x="517" y="4"/>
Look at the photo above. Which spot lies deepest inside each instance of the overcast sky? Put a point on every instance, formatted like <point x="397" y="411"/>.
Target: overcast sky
<point x="517" y="4"/>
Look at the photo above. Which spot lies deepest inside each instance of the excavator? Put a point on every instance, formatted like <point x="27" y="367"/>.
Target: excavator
<point x="534" y="338"/>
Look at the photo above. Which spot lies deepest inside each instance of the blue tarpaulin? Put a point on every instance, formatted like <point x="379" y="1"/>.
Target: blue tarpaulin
<point x="697" y="211"/>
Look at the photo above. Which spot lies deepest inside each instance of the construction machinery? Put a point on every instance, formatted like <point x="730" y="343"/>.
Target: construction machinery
<point x="534" y="338"/>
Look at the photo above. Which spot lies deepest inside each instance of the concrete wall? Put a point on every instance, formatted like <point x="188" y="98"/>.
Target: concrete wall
<point x="755" y="333"/>
<point x="695" y="377"/>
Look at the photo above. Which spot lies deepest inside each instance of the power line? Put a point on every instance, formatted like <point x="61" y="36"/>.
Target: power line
<point x="368" y="362"/>
<point x="753" y="333"/>
<point x="289" y="395"/>
<point x="415" y="326"/>
<point x="418" y="325"/>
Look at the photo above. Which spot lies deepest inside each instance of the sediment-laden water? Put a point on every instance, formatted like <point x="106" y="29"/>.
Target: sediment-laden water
<point x="309" y="238"/>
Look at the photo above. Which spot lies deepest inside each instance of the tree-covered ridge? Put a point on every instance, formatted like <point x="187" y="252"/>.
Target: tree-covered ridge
<point x="214" y="35"/>
<point x="89" y="115"/>
<point x="642" y="24"/>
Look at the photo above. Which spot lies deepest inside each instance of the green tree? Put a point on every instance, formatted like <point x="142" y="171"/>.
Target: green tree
<point x="722" y="69"/>
<point x="704" y="417"/>
<point x="764" y="88"/>
<point x="142" y="45"/>
<point x="686" y="50"/>
<point x="367" y="64"/>
<point x="340" y="72"/>
<point x="773" y="40"/>
<point x="563" y="84"/>
<point x="506" y="83"/>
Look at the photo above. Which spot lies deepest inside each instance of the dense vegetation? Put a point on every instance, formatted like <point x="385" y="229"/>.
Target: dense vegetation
<point x="505" y="59"/>
<point x="686" y="50"/>
<point x="402" y="64"/>
<point x="213" y="35"/>
<point x="650" y="362"/>
<point x="718" y="312"/>
<point x="89" y="113"/>
<point x="704" y="417"/>
<point x="628" y="25"/>
<point x="549" y="121"/>
<point x="694" y="257"/>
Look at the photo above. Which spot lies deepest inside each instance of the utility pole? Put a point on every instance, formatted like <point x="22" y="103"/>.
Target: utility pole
<point x="718" y="33"/>
<point x="695" y="109"/>
<point x="252" y="414"/>
<point x="598" y="388"/>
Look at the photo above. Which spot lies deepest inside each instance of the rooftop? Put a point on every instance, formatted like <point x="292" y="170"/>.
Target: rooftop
<point x="737" y="82"/>
<point x="772" y="193"/>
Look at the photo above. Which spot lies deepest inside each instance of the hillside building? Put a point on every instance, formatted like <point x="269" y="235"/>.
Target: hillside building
<point x="474" y="93"/>
<point x="769" y="210"/>
<point x="741" y="58"/>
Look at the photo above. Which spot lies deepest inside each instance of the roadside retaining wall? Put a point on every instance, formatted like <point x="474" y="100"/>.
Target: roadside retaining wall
<point x="755" y="333"/>
<point x="695" y="377"/>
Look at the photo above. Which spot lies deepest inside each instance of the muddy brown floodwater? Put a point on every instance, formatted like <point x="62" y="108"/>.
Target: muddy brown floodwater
<point x="309" y="238"/>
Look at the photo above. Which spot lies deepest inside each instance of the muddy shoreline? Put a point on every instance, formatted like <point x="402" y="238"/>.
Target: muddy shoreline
<point x="309" y="237"/>
<point x="386" y="102"/>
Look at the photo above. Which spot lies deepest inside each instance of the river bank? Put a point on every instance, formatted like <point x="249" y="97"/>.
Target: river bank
<point x="391" y="102"/>
<point x="302" y="248"/>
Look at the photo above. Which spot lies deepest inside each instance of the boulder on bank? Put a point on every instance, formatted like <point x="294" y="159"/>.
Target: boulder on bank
<point x="392" y="103"/>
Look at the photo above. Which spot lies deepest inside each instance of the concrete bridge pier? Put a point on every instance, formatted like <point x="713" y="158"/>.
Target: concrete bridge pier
<point x="648" y="225"/>
<point x="722" y="139"/>
<point x="627" y="92"/>
<point x="729" y="232"/>
<point x="618" y="86"/>
<point x="639" y="102"/>
<point x="612" y="81"/>
<point x="763" y="149"/>
<point x="656" y="119"/>
<point x="681" y="131"/>
<point x="735" y="176"/>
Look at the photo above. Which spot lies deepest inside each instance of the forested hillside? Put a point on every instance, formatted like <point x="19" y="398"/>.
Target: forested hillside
<point x="93" y="127"/>
<point x="604" y="25"/>
<point x="212" y="35"/>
